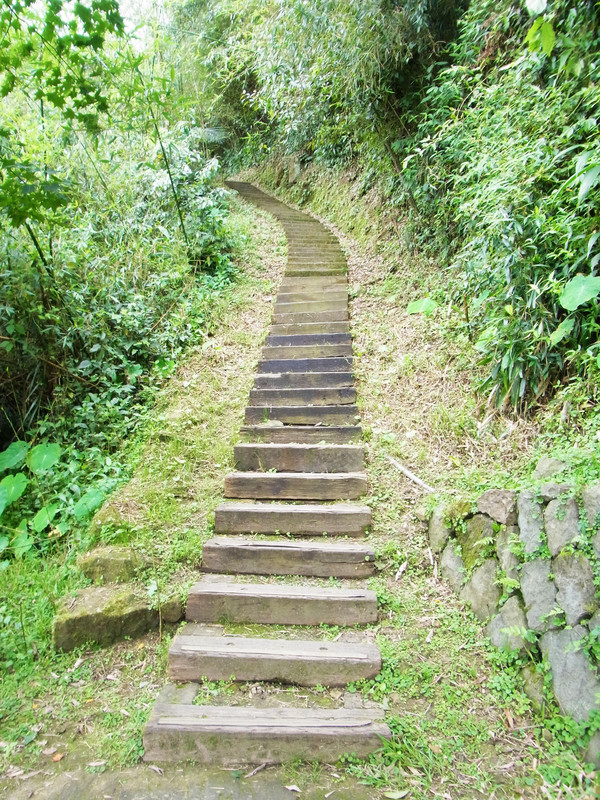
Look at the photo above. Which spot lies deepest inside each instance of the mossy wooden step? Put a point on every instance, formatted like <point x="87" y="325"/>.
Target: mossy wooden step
<point x="316" y="558"/>
<point x="325" y="396"/>
<point x="336" y="519"/>
<point x="233" y="736"/>
<point x="296" y="485"/>
<point x="299" y="457"/>
<point x="296" y="661"/>
<point x="303" y="415"/>
<point x="279" y="365"/>
<point x="303" y="434"/>
<point x="303" y="380"/>
<point x="279" y="604"/>
<point x="306" y="351"/>
<point x="312" y="282"/>
<point x="310" y="327"/>
<point x="337" y="315"/>
<point x="340" y="295"/>
<point x="306" y="339"/>
<point x="307" y="306"/>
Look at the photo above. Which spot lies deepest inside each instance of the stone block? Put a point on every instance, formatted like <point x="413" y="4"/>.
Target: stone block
<point x="574" y="680"/>
<point x="591" y="505"/>
<point x="453" y="567"/>
<point x="539" y="594"/>
<point x="481" y="591"/>
<point x="550" y="491"/>
<point x="111" y="564"/>
<point x="530" y="516"/>
<point x="508" y="560"/>
<point x="507" y="628"/>
<point x="574" y="579"/>
<point x="500" y="505"/>
<point x="533" y="686"/>
<point x="439" y="530"/>
<point x="561" y="519"/>
<point x="547" y="467"/>
<point x="476" y="530"/>
<point x="102" y="615"/>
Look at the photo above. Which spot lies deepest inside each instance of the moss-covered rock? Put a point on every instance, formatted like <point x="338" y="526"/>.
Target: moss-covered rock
<point x="102" y="615"/>
<point x="474" y="538"/>
<point x="111" y="564"/>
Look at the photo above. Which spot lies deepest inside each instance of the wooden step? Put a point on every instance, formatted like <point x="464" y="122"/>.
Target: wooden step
<point x="306" y="339"/>
<point x="303" y="434"/>
<point x="312" y="282"/>
<point x="303" y="663"/>
<point x="236" y="735"/>
<point x="337" y="519"/>
<point x="338" y="315"/>
<point x="261" y="457"/>
<point x="303" y="415"/>
<point x="313" y="295"/>
<point x="304" y="380"/>
<point x="279" y="604"/>
<point x="307" y="351"/>
<point x="304" y="272"/>
<point x="279" y="365"/>
<point x="326" y="396"/>
<point x="296" y="485"/>
<point x="308" y="306"/>
<point x="319" y="559"/>
<point x="310" y="327"/>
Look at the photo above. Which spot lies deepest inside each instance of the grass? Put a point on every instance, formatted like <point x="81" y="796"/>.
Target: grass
<point x="92" y="704"/>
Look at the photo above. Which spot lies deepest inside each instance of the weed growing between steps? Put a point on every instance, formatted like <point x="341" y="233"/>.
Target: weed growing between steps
<point x="463" y="725"/>
<point x="97" y="704"/>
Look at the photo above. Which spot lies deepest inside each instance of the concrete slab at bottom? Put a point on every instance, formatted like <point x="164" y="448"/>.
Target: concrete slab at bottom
<point x="181" y="783"/>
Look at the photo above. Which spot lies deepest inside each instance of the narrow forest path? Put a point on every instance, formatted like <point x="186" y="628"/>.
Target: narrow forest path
<point x="290" y="511"/>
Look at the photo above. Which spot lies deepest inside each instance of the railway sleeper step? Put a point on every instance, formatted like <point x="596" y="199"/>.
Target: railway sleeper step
<point x="334" y="519"/>
<point x="329" y="364"/>
<point x="295" y="661"/>
<point x="295" y="318"/>
<point x="233" y="736"/>
<point x="296" y="485"/>
<point x="301" y="434"/>
<point x="317" y="396"/>
<point x="304" y="380"/>
<point x="310" y="327"/>
<point x="303" y="415"/>
<point x="329" y="458"/>
<point x="343" y="349"/>
<point x="239" y="555"/>
<point x="279" y="604"/>
<point x="305" y="339"/>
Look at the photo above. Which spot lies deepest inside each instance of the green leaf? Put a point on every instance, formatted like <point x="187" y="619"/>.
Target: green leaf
<point x="423" y="306"/>
<point x="43" y="457"/>
<point x="564" y="329"/>
<point x="587" y="180"/>
<point x="396" y="795"/>
<point x="579" y="290"/>
<point x="88" y="503"/>
<point x="3" y="499"/>
<point x="547" y="37"/>
<point x="4" y="542"/>
<point x="13" y="456"/>
<point x="536" y="6"/>
<point x="22" y="544"/>
<point x="14" y="485"/>
<point x="43" y="518"/>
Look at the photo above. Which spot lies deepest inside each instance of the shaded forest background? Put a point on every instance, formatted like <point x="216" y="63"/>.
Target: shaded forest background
<point x="475" y="124"/>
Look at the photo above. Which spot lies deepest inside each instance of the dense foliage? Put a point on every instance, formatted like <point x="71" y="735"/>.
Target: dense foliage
<point x="480" y="121"/>
<point x="113" y="245"/>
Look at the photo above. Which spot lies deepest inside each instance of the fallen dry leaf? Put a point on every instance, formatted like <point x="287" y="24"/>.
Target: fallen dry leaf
<point x="58" y="757"/>
<point x="293" y="788"/>
<point x="156" y="769"/>
<point x="96" y="763"/>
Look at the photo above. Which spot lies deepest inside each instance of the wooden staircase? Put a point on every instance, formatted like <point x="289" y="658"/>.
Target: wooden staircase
<point x="287" y="513"/>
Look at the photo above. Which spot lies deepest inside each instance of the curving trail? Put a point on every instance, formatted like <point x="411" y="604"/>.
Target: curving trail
<point x="291" y="510"/>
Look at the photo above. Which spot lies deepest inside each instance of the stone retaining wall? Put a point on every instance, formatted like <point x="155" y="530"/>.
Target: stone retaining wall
<point x="528" y="563"/>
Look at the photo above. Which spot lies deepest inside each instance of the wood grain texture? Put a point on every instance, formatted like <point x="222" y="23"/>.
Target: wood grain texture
<point x="305" y="339"/>
<point x="304" y="434"/>
<point x="279" y="604"/>
<point x="262" y="457"/>
<point x="310" y="327"/>
<point x="296" y="485"/>
<point x="303" y="415"/>
<point x="304" y="380"/>
<point x="307" y="306"/>
<point x="338" y="519"/>
<point x="325" y="396"/>
<point x="240" y="735"/>
<point x="321" y="559"/>
<point x="279" y="365"/>
<point x="303" y="663"/>
<point x="337" y="315"/>
<point x="307" y="351"/>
